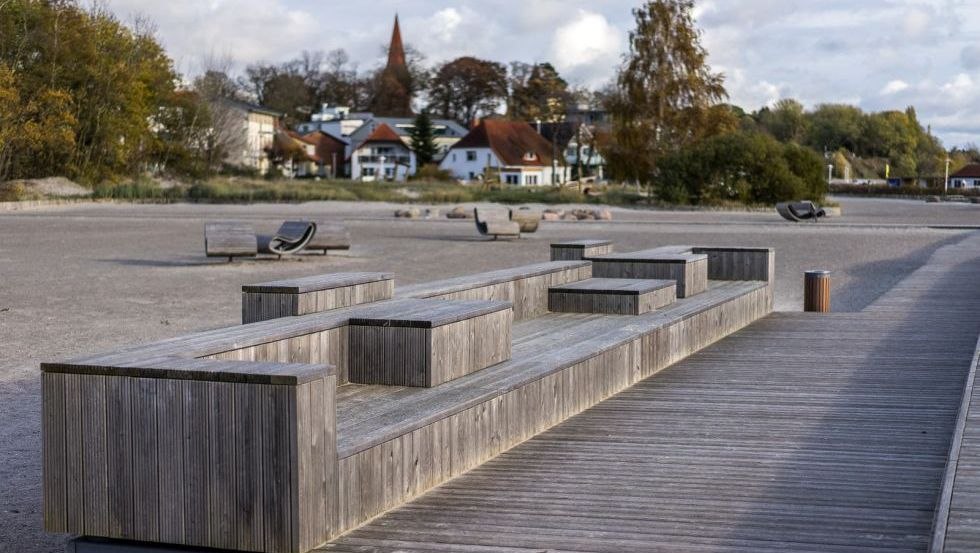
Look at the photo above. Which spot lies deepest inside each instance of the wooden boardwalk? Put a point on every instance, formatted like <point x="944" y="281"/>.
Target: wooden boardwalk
<point x="802" y="432"/>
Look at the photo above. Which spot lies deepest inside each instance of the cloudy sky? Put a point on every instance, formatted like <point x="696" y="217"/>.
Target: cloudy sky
<point x="878" y="54"/>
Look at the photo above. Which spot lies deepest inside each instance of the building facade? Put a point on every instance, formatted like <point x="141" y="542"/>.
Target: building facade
<point x="967" y="177"/>
<point x="509" y="152"/>
<point x="382" y="156"/>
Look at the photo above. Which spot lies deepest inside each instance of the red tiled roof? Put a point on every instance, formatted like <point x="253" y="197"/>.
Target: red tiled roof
<point x="383" y="133"/>
<point x="971" y="171"/>
<point x="510" y="140"/>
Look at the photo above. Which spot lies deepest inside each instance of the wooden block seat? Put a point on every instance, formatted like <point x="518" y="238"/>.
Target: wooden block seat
<point x="689" y="270"/>
<point x="229" y="239"/>
<point x="330" y="236"/>
<point x="313" y="294"/>
<point x="613" y="296"/>
<point x="572" y="250"/>
<point x="428" y="342"/>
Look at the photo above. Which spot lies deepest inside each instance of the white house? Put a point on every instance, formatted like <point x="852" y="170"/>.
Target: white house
<point x="445" y="133"/>
<point x="337" y="121"/>
<point x="511" y="151"/>
<point x="967" y="177"/>
<point x="382" y="156"/>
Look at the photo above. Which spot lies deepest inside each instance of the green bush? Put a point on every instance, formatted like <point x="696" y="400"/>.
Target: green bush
<point x="750" y="168"/>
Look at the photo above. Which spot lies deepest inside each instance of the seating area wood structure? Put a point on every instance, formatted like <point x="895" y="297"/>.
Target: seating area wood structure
<point x="496" y="225"/>
<point x="234" y="239"/>
<point x="574" y="250"/>
<point x="330" y="236"/>
<point x="612" y="296"/>
<point x="302" y="296"/>
<point x="282" y="448"/>
<point x="681" y="264"/>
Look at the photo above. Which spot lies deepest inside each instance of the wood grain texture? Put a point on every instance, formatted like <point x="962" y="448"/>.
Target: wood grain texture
<point x="303" y="296"/>
<point x="742" y="446"/>
<point x="419" y="438"/>
<point x="690" y="271"/>
<point x="574" y="250"/>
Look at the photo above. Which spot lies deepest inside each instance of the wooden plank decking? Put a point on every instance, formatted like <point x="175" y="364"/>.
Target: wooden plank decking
<point x="802" y="432"/>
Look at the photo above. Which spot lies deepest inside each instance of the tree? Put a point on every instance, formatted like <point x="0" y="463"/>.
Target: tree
<point x="466" y="88"/>
<point x="88" y="88"/>
<point x="663" y="90"/>
<point x="749" y="168"/>
<point x="423" y="139"/>
<point x="835" y="126"/>
<point x="786" y="121"/>
<point x="537" y="93"/>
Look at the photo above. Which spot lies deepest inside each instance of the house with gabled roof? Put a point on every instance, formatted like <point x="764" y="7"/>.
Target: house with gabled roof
<point x="383" y="155"/>
<point x="967" y="177"/>
<point x="509" y="151"/>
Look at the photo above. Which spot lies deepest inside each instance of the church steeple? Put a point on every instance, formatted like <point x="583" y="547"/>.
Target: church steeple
<point x="396" y="51"/>
<point x="393" y="95"/>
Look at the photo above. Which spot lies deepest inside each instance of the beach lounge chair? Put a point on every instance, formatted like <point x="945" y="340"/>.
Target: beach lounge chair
<point x="497" y="226"/>
<point x="527" y="218"/>
<point x="329" y="236"/>
<point x="291" y="238"/>
<point x="799" y="212"/>
<point x="229" y="239"/>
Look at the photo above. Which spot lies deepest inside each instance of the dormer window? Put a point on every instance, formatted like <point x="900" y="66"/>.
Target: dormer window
<point x="530" y="156"/>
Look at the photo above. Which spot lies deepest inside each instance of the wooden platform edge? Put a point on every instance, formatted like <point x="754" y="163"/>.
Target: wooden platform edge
<point x="937" y="544"/>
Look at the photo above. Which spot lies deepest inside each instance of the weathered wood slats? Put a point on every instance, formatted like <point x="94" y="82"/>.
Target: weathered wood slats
<point x="576" y="250"/>
<point x="395" y="443"/>
<point x="526" y="287"/>
<point x="428" y="342"/>
<point x="230" y="239"/>
<point x="192" y="462"/>
<point x="747" y="445"/>
<point x="690" y="270"/>
<point x="303" y="296"/>
<point x="612" y="296"/>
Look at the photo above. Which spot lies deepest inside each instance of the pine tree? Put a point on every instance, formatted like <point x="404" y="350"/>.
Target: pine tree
<point x="423" y="139"/>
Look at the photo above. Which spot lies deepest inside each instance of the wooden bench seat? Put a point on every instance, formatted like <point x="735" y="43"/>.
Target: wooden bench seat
<point x="526" y="287"/>
<point x="330" y="236"/>
<point x="613" y="296"/>
<point x="573" y="250"/>
<point x="428" y="342"/>
<point x="230" y="239"/>
<point x="689" y="270"/>
<point x="369" y="416"/>
<point x="313" y="294"/>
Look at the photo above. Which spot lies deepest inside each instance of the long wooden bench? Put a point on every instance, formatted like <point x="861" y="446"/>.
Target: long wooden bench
<point x="392" y="442"/>
<point x="313" y="294"/>
<point x="526" y="287"/>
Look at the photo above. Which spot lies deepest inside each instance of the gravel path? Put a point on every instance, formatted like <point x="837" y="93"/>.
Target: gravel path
<point x="86" y="278"/>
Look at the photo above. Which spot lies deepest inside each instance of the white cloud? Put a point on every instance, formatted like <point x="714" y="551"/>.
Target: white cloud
<point x="960" y="87"/>
<point x="894" y="87"/>
<point x="587" y="47"/>
<point x="445" y="23"/>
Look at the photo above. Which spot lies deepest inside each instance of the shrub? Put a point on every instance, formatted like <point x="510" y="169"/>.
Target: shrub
<point x="750" y="168"/>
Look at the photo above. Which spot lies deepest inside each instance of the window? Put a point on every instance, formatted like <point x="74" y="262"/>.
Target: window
<point x="530" y="156"/>
<point x="389" y="171"/>
<point x="531" y="180"/>
<point x="470" y="155"/>
<point x="472" y="175"/>
<point x="367" y="172"/>
<point x="489" y="160"/>
<point x="512" y="179"/>
<point x="454" y="157"/>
